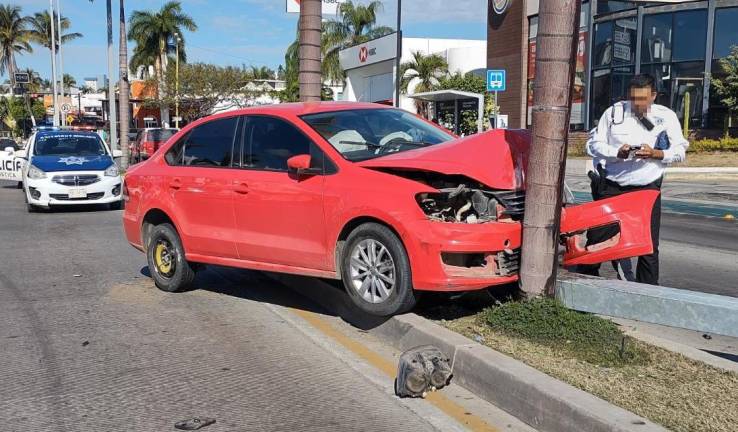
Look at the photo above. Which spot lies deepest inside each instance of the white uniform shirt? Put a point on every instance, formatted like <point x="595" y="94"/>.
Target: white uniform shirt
<point x="622" y="127"/>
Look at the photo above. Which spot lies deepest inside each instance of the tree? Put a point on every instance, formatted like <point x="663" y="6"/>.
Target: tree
<point x="36" y="83"/>
<point x="310" y="50"/>
<point x="14" y="113"/>
<point x="356" y="24"/>
<point x="558" y="29"/>
<point x="69" y="81"/>
<point x="40" y="30"/>
<point x="261" y="73"/>
<point x="727" y="86"/>
<point x="202" y="88"/>
<point x="153" y="32"/>
<point x="423" y="72"/>
<point x="14" y="37"/>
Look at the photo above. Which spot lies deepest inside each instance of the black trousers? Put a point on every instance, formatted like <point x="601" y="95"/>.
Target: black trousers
<point x="647" y="270"/>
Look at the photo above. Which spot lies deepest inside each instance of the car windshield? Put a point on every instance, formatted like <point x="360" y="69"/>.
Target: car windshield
<point x="69" y="145"/>
<point x="370" y="133"/>
<point x="160" y="134"/>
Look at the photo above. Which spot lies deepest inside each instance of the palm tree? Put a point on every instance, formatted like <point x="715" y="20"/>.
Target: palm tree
<point x="154" y="32"/>
<point x="356" y="24"/>
<point x="424" y="71"/>
<point x="14" y="38"/>
<point x="69" y="81"/>
<point x="40" y="31"/>
<point x="261" y="73"/>
<point x="36" y="83"/>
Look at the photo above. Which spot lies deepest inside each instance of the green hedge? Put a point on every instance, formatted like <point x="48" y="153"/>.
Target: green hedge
<point x="709" y="145"/>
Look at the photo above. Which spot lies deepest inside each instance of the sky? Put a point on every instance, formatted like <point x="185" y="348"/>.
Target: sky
<point x="235" y="32"/>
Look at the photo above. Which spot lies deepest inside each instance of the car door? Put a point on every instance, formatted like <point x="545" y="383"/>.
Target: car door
<point x="279" y="216"/>
<point x="628" y="218"/>
<point x="199" y="183"/>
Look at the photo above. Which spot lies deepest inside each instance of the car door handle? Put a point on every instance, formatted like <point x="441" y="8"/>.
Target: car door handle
<point x="240" y="187"/>
<point x="175" y="183"/>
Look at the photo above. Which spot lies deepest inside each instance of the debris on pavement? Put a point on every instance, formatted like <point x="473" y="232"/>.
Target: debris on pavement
<point x="85" y="343"/>
<point x="194" y="423"/>
<point x="420" y="370"/>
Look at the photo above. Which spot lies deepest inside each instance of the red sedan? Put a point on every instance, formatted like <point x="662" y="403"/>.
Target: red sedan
<point x="372" y="195"/>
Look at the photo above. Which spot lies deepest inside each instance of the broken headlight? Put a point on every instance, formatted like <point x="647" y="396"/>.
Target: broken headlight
<point x="460" y="204"/>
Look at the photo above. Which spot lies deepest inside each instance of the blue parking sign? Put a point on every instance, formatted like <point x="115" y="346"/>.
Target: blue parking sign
<point x="496" y="80"/>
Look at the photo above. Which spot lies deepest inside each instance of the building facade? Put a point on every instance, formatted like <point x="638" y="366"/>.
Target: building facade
<point x="679" y="44"/>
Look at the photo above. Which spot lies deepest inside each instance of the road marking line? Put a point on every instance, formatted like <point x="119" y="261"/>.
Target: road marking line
<point x="437" y="399"/>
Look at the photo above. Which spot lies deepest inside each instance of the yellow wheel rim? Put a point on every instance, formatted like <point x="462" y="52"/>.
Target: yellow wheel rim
<point x="162" y="259"/>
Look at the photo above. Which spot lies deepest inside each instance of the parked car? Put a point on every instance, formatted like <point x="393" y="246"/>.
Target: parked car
<point x="6" y="143"/>
<point x="65" y="167"/>
<point x="387" y="202"/>
<point x="148" y="141"/>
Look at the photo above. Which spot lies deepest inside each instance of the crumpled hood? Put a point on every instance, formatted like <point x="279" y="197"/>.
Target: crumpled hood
<point x="72" y="163"/>
<point x="497" y="158"/>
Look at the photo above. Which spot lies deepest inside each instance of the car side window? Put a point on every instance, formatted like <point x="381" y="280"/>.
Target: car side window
<point x="270" y="141"/>
<point x="207" y="145"/>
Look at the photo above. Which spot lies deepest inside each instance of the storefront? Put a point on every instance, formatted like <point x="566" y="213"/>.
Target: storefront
<point x="679" y="44"/>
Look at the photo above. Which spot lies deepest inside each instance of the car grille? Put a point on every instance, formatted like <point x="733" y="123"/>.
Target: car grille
<point x="514" y="203"/>
<point x="76" y="179"/>
<point x="508" y="263"/>
<point x="64" y="197"/>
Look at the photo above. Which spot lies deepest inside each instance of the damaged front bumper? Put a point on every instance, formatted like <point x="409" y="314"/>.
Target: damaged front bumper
<point x="461" y="256"/>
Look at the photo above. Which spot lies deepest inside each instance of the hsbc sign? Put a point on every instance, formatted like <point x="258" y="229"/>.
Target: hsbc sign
<point x="330" y="7"/>
<point x="374" y="51"/>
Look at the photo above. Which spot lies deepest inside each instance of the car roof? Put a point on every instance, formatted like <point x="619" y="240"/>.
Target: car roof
<point x="302" y="108"/>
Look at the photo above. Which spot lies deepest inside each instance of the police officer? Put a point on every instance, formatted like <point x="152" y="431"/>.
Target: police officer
<point x="632" y="145"/>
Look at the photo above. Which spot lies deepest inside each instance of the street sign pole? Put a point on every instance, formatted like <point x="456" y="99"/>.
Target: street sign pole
<point x="497" y="109"/>
<point x="496" y="82"/>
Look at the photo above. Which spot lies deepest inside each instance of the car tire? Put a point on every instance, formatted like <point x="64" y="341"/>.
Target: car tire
<point x="117" y="205"/>
<point x="19" y="185"/>
<point x="32" y="208"/>
<point x="166" y="259"/>
<point x="366" y="275"/>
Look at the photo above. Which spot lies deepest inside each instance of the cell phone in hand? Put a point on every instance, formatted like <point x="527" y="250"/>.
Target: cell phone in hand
<point x="633" y="150"/>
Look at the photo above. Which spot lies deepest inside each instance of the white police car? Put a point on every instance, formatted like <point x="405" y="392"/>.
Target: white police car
<point x="68" y="167"/>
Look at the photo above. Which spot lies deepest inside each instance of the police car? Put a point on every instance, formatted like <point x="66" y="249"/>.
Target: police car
<point x="65" y="167"/>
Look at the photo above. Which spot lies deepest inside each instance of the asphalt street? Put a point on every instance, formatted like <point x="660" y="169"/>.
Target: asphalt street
<point x="89" y="344"/>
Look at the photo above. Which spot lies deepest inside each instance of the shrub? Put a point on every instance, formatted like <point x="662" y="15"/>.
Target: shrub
<point x="583" y="336"/>
<point x="708" y="145"/>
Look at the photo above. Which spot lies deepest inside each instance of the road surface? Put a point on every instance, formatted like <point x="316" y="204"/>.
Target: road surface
<point x="89" y="344"/>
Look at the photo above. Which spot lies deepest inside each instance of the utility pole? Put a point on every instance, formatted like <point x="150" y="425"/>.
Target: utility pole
<point x="123" y="87"/>
<point x="558" y="29"/>
<point x="178" y="40"/>
<point x="310" y="76"/>
<point x="55" y="100"/>
<point x="112" y="118"/>
<point x="398" y="59"/>
<point x="62" y="117"/>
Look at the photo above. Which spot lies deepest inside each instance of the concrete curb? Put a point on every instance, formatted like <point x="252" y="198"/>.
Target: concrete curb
<point x="673" y="307"/>
<point x="541" y="401"/>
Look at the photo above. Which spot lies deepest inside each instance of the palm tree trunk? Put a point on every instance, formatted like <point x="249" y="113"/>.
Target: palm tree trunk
<point x="558" y="25"/>
<point x="163" y="109"/>
<point x="310" y="67"/>
<point x="123" y="87"/>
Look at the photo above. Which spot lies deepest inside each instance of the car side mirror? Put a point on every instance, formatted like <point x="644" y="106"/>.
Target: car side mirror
<point x="300" y="165"/>
<point x="9" y="150"/>
<point x="117" y="153"/>
<point x="21" y="154"/>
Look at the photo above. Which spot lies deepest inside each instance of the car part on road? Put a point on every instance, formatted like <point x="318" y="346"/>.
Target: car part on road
<point x="376" y="271"/>
<point x="420" y="370"/>
<point x="165" y="255"/>
<point x="194" y="423"/>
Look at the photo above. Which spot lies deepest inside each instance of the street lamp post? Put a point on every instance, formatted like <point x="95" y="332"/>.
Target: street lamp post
<point x="55" y="100"/>
<point x="398" y="59"/>
<point x="62" y="117"/>
<point x="178" y="40"/>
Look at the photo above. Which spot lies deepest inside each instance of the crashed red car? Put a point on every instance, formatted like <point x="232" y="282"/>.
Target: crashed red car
<point x="387" y="202"/>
